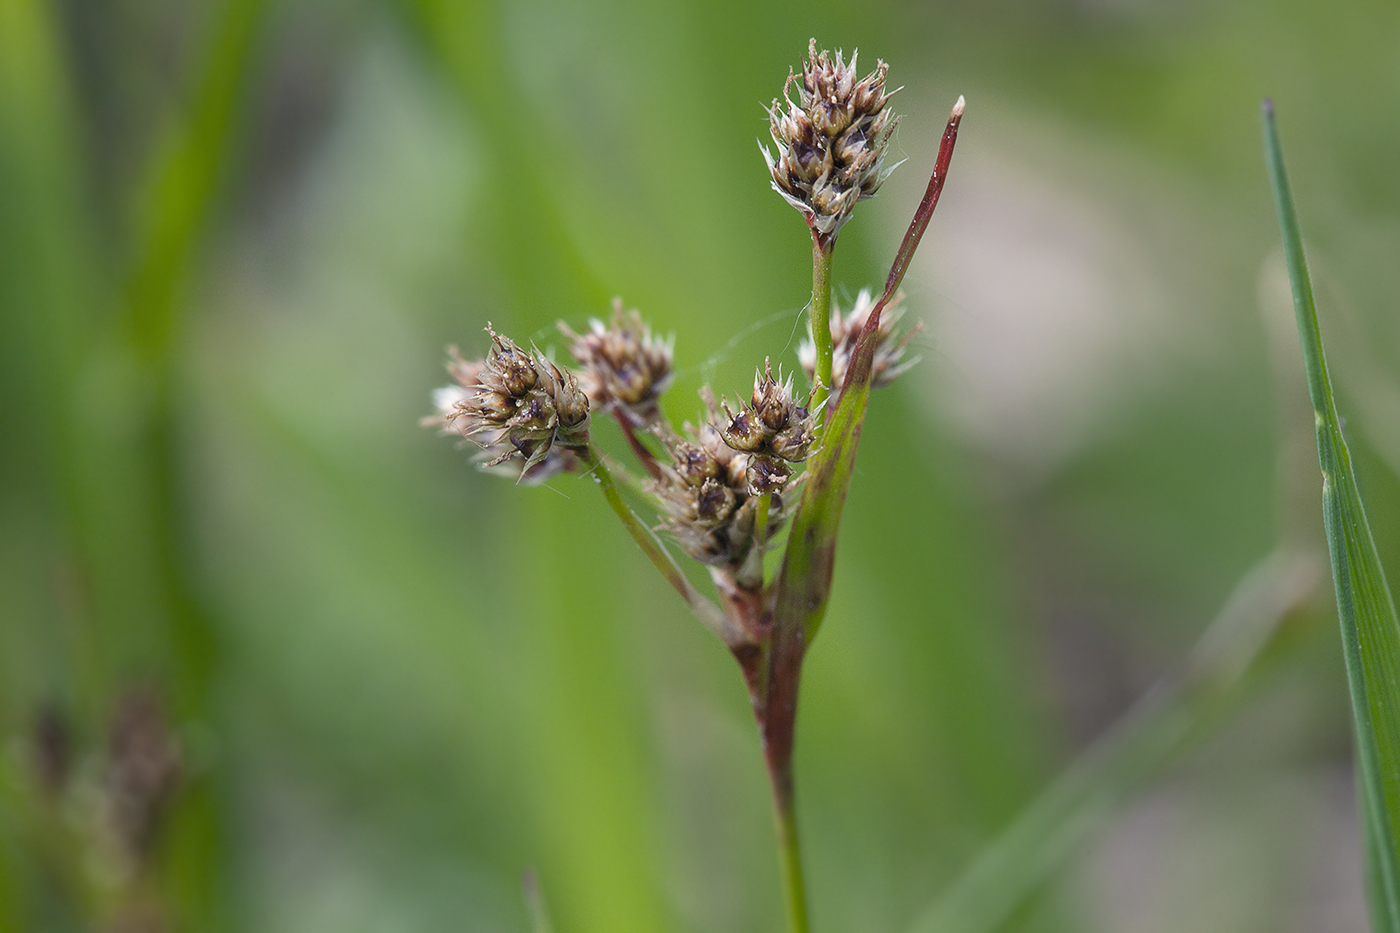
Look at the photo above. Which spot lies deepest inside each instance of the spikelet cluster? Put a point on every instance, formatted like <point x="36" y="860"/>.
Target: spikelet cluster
<point x="516" y="406"/>
<point x="705" y="494"/>
<point x="889" y="360"/>
<point x="625" y="368"/>
<point x="832" y="130"/>
<point x="773" y="429"/>
<point x="831" y="140"/>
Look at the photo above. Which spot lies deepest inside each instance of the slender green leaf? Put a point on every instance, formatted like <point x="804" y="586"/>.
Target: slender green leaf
<point x="1370" y="631"/>
<point x="179" y="193"/>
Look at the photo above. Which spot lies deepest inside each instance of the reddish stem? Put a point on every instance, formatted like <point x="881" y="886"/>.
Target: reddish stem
<point x="647" y="458"/>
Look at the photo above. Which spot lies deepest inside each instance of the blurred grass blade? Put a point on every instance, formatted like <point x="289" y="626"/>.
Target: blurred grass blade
<point x="1026" y="854"/>
<point x="1370" y="632"/>
<point x="179" y="192"/>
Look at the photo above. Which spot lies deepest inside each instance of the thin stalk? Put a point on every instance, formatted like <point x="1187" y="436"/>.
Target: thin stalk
<point x="646" y="457"/>
<point x="819" y="313"/>
<point x="706" y="611"/>
<point x="775" y="706"/>
<point x="789" y="851"/>
<point x="625" y="477"/>
<point x="760" y="523"/>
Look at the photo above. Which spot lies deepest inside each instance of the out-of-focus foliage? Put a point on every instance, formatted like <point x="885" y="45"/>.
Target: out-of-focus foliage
<point x="234" y="239"/>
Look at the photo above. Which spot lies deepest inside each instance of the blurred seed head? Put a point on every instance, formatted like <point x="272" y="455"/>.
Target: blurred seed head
<point x="140" y="775"/>
<point x="624" y="366"/>
<point x="51" y="749"/>
<point x="889" y="361"/>
<point x="831" y="141"/>
<point x="516" y="406"/>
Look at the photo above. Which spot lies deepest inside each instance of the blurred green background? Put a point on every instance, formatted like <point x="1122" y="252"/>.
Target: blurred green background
<point x="236" y="236"/>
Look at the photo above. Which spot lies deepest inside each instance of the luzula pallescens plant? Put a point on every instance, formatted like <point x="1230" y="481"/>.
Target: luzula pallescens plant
<point x="723" y="487"/>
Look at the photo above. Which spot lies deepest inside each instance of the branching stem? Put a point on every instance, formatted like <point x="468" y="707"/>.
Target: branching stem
<point x="705" y="610"/>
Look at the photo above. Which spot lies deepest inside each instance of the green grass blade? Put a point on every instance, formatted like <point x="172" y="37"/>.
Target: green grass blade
<point x="180" y="190"/>
<point x="1087" y="793"/>
<point x="1370" y="631"/>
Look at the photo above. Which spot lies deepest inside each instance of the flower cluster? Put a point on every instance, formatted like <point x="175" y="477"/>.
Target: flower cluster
<point x="831" y="141"/>
<point x="889" y="360"/>
<point x="707" y="503"/>
<point x="515" y="404"/>
<point x="718" y="487"/>
<point x="724" y="487"/>
<point x="773" y="430"/>
<point x="624" y="366"/>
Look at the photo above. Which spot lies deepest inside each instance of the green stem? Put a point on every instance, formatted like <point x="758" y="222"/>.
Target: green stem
<point x="820" y="316"/>
<point x="760" y="525"/>
<point x="789" y="851"/>
<point x="704" y="609"/>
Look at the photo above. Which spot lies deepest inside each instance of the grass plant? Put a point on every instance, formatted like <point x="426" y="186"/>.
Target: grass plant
<point x="1365" y="607"/>
<point x="272" y="659"/>
<point x="720" y="494"/>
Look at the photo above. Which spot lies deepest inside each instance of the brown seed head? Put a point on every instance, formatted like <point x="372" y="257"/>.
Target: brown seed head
<point x="693" y="464"/>
<point x="831" y="141"/>
<point x="141" y="772"/>
<point x="714" y="502"/>
<point x="624" y="365"/>
<point x="509" y="370"/>
<point x="773" y="425"/>
<point x="706" y="496"/>
<point x="744" y="430"/>
<point x="515" y="406"/>
<point x="794" y="442"/>
<point x="768" y="475"/>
